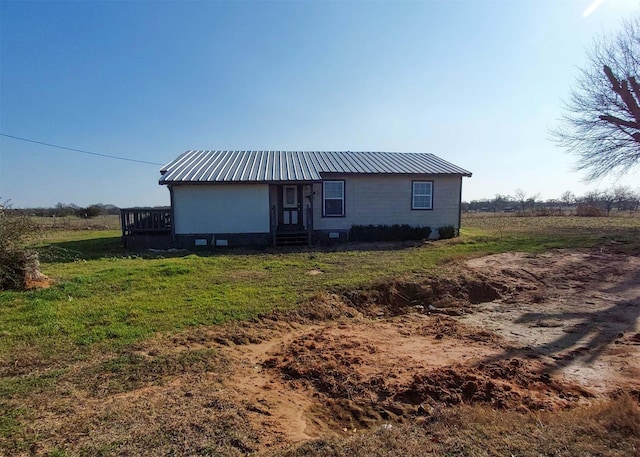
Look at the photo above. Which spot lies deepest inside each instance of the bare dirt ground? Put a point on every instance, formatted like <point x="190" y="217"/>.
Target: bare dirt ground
<point x="514" y="331"/>
<point x="511" y="331"/>
<point x="576" y="312"/>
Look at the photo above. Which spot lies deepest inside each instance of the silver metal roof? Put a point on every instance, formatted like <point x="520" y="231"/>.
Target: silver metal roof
<point x="287" y="166"/>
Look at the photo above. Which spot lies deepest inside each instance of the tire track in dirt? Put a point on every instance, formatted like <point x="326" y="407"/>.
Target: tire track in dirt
<point x="277" y="411"/>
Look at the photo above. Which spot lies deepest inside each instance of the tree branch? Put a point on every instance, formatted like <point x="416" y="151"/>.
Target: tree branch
<point x="620" y="122"/>
<point x="635" y="87"/>
<point x="601" y="123"/>
<point x="621" y="87"/>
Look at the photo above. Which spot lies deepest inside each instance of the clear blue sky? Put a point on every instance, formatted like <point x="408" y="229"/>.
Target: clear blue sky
<point x="478" y="83"/>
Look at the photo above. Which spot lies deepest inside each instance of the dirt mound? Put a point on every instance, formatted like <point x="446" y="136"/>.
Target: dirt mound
<point x="441" y="327"/>
<point x="322" y="307"/>
<point x="405" y="366"/>
<point x="456" y="292"/>
<point x="512" y="384"/>
<point x="365" y="397"/>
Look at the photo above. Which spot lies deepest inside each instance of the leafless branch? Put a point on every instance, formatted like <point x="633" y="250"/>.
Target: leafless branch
<point x="601" y="124"/>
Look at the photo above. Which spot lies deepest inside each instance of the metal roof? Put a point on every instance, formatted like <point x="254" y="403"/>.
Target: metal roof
<point x="287" y="166"/>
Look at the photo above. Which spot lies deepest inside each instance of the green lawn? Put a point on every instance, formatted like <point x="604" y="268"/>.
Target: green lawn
<point x="105" y="296"/>
<point x="104" y="300"/>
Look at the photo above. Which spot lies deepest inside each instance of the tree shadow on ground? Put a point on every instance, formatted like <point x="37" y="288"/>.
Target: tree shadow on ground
<point x="588" y="331"/>
<point x="590" y="334"/>
<point x="91" y="249"/>
<point x="99" y="248"/>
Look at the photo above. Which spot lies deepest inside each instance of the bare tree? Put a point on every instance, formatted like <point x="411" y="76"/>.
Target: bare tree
<point x="500" y="202"/>
<point x="623" y="196"/>
<point x="635" y="201"/>
<point x="531" y="201"/>
<point x="608" y="198"/>
<point x="520" y="196"/>
<point x="601" y="124"/>
<point x="568" y="198"/>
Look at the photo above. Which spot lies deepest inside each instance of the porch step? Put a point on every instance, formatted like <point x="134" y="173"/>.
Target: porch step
<point x="291" y="239"/>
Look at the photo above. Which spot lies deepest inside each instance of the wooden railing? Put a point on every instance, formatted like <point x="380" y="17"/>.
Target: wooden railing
<point x="136" y="221"/>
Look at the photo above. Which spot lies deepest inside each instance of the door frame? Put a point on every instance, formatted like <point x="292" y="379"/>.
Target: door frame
<point x="283" y="208"/>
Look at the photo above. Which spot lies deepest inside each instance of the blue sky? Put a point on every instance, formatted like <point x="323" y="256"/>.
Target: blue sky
<point x="478" y="83"/>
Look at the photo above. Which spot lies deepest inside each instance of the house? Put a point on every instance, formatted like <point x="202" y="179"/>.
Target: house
<point x="231" y="198"/>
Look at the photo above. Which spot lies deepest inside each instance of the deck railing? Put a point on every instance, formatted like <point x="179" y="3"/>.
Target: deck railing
<point x="137" y="221"/>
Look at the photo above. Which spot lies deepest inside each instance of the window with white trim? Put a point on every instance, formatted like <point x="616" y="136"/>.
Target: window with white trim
<point x="333" y="198"/>
<point x="422" y="195"/>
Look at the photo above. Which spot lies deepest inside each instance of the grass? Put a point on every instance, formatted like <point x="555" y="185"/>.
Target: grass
<point x="610" y="428"/>
<point x="105" y="300"/>
<point x="104" y="297"/>
<point x="70" y="223"/>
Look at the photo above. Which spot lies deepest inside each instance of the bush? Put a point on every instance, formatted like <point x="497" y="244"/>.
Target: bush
<point x="446" y="232"/>
<point x="388" y="233"/>
<point x="544" y="212"/>
<point x="16" y="262"/>
<point x="16" y="267"/>
<point x="590" y="211"/>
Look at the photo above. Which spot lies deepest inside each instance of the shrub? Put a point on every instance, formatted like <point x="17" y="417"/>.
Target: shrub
<point x="446" y="232"/>
<point x="16" y="262"/>
<point x="543" y="212"/>
<point x="388" y="233"/>
<point x="589" y="211"/>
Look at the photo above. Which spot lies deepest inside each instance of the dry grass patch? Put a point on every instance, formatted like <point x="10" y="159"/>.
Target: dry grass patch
<point x="608" y="428"/>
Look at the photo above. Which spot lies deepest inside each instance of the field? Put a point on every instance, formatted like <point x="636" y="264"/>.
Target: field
<point x="520" y="337"/>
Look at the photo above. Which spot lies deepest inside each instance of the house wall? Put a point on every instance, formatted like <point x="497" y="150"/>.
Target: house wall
<point x="221" y="208"/>
<point x="386" y="200"/>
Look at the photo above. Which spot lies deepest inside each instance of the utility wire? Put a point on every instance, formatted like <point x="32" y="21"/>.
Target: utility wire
<point x="79" y="150"/>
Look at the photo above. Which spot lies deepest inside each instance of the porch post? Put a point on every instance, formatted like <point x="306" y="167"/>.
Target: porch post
<point x="274" y="225"/>
<point x="310" y="216"/>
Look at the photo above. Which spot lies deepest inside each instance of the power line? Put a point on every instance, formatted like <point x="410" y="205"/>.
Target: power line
<point x="79" y="150"/>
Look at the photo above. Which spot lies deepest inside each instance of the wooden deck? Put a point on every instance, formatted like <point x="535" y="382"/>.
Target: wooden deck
<point x="137" y="221"/>
<point x="144" y="228"/>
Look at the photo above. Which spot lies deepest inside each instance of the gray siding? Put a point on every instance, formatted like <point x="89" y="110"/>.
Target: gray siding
<point x="221" y="208"/>
<point x="386" y="200"/>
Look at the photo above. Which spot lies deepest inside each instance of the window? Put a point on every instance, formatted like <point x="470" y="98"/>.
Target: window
<point x="422" y="195"/>
<point x="333" y="198"/>
<point x="290" y="197"/>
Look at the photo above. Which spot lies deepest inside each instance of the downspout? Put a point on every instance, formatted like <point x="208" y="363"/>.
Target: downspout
<point x="173" y="216"/>
<point x="460" y="207"/>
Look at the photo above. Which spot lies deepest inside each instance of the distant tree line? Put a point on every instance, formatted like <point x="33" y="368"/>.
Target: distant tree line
<point x="594" y="203"/>
<point x="69" y="209"/>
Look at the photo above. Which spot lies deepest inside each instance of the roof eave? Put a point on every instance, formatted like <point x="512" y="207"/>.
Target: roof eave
<point x="172" y="182"/>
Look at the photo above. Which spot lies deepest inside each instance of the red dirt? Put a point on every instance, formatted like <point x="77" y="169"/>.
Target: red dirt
<point x="532" y="332"/>
<point x="512" y="331"/>
<point x="40" y="283"/>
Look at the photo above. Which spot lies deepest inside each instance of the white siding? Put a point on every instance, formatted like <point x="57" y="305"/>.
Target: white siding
<point x="221" y="208"/>
<point x="386" y="200"/>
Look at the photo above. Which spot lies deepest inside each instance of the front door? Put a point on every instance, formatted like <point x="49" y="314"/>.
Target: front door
<point x="291" y="207"/>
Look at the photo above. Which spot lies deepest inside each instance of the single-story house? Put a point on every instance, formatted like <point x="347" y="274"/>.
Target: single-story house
<point x="233" y="198"/>
<point x="230" y="198"/>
